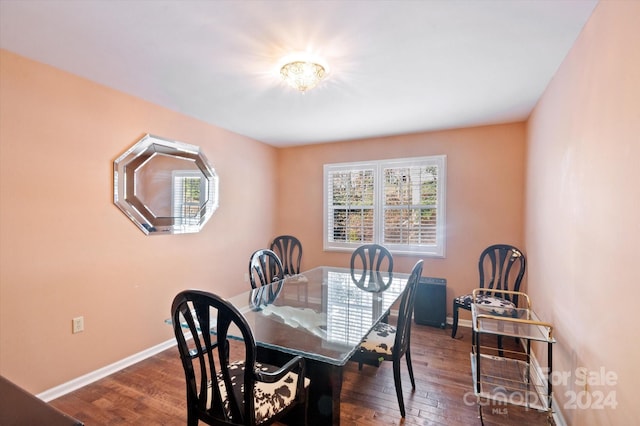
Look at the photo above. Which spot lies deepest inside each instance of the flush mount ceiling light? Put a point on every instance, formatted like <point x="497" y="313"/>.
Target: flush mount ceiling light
<point x="302" y="72"/>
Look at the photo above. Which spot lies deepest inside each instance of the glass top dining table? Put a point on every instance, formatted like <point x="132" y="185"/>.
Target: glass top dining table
<point x="322" y="314"/>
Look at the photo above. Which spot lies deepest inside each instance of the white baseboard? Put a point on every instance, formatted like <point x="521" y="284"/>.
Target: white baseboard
<point x="461" y="322"/>
<point x="81" y="381"/>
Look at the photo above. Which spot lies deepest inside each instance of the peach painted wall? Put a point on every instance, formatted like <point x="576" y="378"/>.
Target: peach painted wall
<point x="485" y="195"/>
<point x="582" y="219"/>
<point x="66" y="250"/>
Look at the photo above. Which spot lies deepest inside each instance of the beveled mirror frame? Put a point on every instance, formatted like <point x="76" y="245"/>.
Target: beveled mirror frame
<point x="165" y="187"/>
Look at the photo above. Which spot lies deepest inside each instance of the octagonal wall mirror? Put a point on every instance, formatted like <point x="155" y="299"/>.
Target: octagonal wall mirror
<point x="165" y="187"/>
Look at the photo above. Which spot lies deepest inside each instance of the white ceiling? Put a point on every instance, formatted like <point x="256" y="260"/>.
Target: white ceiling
<point x="396" y="67"/>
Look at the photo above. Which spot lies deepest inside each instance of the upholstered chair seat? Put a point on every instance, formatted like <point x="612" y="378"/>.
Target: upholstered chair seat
<point x="380" y="341"/>
<point x="497" y="305"/>
<point x="270" y="398"/>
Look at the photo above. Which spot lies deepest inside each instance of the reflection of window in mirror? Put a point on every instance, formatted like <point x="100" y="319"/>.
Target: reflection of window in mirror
<point x="188" y="187"/>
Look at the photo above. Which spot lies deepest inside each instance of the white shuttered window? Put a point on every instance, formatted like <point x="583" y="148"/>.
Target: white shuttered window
<point x="397" y="203"/>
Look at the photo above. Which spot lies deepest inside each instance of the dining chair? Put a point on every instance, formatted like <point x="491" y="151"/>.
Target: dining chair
<point x="241" y="391"/>
<point x="367" y="261"/>
<point x="265" y="267"/>
<point x="501" y="267"/>
<point x="388" y="343"/>
<point x="289" y="249"/>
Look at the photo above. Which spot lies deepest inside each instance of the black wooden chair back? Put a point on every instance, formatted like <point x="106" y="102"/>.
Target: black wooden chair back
<point x="501" y="267"/>
<point x="403" y="327"/>
<point x="367" y="261"/>
<point x="289" y="249"/>
<point x="265" y="267"/>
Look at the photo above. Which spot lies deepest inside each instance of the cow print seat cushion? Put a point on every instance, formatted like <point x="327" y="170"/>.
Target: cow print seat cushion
<point x="496" y="305"/>
<point x="380" y="340"/>
<point x="270" y="398"/>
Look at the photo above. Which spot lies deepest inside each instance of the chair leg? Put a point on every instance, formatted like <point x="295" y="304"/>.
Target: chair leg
<point x="398" y="383"/>
<point x="298" y="414"/>
<point x="192" y="412"/>
<point x="305" y="416"/>
<point x="454" y="327"/>
<point x="410" y="368"/>
<point x="359" y="366"/>
<point x="192" y="418"/>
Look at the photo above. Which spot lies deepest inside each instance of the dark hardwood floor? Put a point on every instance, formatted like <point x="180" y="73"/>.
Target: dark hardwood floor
<point x="152" y="391"/>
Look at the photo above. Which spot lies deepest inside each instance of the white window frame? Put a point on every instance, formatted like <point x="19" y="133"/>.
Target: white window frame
<point x="378" y="167"/>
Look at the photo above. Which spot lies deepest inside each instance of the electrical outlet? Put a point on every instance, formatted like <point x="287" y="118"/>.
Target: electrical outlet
<point x="77" y="324"/>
